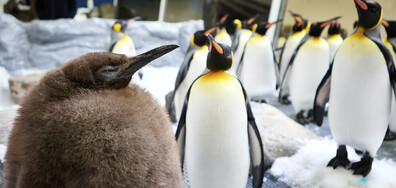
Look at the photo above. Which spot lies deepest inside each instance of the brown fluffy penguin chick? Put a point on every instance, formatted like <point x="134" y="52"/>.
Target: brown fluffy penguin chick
<point x="84" y="126"/>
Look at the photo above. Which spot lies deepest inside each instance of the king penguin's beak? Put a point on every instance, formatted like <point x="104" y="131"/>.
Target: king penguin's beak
<point x="137" y="62"/>
<point x="329" y="21"/>
<point x="361" y="4"/>
<point x="214" y="44"/>
<point x="133" y="20"/>
<point x="385" y="23"/>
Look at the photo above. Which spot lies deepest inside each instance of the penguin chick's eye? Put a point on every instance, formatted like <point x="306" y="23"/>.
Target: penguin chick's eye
<point x="107" y="72"/>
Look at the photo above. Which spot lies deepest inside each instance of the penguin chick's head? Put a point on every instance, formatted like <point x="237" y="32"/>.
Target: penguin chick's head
<point x="121" y="25"/>
<point x="390" y="27"/>
<point x="334" y="28"/>
<point x="369" y="13"/>
<point x="219" y="56"/>
<point x="317" y="28"/>
<point x="262" y="27"/>
<point x="105" y="70"/>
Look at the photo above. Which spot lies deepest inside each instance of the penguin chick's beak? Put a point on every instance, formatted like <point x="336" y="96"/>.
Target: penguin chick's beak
<point x="137" y="62"/>
<point x="361" y="4"/>
<point x="385" y="23"/>
<point x="133" y="20"/>
<point x="214" y="44"/>
<point x="324" y="24"/>
<point x="211" y="30"/>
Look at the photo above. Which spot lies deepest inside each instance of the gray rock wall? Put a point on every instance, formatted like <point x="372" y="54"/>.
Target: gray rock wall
<point x="46" y="45"/>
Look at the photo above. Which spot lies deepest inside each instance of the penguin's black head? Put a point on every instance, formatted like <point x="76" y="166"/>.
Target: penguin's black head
<point x="262" y="27"/>
<point x="300" y="22"/>
<point x="317" y="28"/>
<point x="121" y="25"/>
<point x="247" y="24"/>
<point x="334" y="28"/>
<point x="219" y="56"/>
<point x="106" y="70"/>
<point x="369" y="13"/>
<point x="390" y="27"/>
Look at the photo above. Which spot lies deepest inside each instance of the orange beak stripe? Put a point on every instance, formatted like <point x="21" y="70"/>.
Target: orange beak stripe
<point x="361" y="4"/>
<point x="217" y="47"/>
<point x="326" y="23"/>
<point x="385" y="23"/>
<point x="269" y="25"/>
<point x="223" y="19"/>
<point x="210" y="31"/>
<point x="251" y="20"/>
<point x="130" y="21"/>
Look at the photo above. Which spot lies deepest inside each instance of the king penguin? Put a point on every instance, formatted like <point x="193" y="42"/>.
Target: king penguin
<point x="243" y="34"/>
<point x="193" y="66"/>
<point x="334" y="39"/>
<point x="390" y="42"/>
<point x="299" y="31"/>
<point x="84" y="125"/>
<point x="121" y="43"/>
<point x="217" y="133"/>
<point x="358" y="86"/>
<point x="310" y="62"/>
<point x="222" y="36"/>
<point x="257" y="70"/>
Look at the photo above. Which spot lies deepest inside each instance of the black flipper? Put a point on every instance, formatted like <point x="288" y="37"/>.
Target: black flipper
<point x="322" y="97"/>
<point x="277" y="69"/>
<point x="289" y="65"/>
<point x="375" y="36"/>
<point x="255" y="145"/>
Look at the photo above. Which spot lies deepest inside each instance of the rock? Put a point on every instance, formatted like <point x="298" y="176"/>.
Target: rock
<point x="21" y="84"/>
<point x="170" y="107"/>
<point x="281" y="135"/>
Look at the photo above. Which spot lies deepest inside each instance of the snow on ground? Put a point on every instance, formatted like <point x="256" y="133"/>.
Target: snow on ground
<point x="307" y="168"/>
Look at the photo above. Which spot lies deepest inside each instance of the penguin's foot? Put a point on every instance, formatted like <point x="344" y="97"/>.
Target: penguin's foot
<point x="301" y="119"/>
<point x="341" y="159"/>
<point x="363" y="167"/>
<point x="310" y="117"/>
<point x="389" y="135"/>
<point x="258" y="100"/>
<point x="285" y="100"/>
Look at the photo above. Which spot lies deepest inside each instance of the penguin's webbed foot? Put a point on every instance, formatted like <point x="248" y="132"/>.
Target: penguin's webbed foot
<point x="301" y="119"/>
<point x="285" y="100"/>
<point x="389" y="135"/>
<point x="363" y="167"/>
<point x="341" y="159"/>
<point x="258" y="100"/>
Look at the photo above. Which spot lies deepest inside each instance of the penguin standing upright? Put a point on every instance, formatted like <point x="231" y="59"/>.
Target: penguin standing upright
<point x="299" y="29"/>
<point x="193" y="66"/>
<point x="390" y="42"/>
<point x="310" y="62"/>
<point x="334" y="39"/>
<point x="84" y="125"/>
<point x="360" y="80"/>
<point x="222" y="36"/>
<point x="258" y="67"/>
<point x="242" y="35"/>
<point x="217" y="133"/>
<point x="121" y="43"/>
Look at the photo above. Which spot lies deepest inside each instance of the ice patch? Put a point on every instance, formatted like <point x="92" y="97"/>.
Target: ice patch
<point x="307" y="168"/>
<point x="3" y="149"/>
